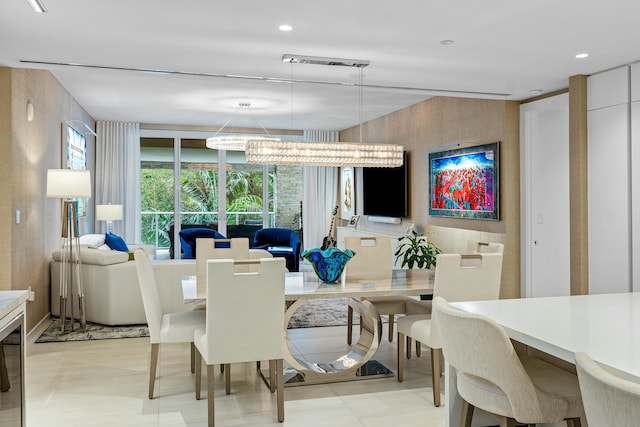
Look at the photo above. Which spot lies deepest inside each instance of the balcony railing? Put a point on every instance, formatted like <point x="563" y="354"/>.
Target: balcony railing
<point x="154" y="224"/>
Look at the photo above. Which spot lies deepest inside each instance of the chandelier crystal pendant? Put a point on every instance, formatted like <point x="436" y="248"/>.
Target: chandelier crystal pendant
<point x="236" y="142"/>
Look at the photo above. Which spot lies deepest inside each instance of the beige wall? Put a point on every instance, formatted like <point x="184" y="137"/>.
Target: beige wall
<point x="33" y="147"/>
<point x="443" y="121"/>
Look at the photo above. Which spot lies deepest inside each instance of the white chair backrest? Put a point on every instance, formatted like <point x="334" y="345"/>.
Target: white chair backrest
<point x="476" y="247"/>
<point x="206" y="249"/>
<point x="608" y="399"/>
<point x="150" y="296"/>
<point x="245" y="311"/>
<point x="372" y="259"/>
<point x="478" y="278"/>
<point x="477" y="346"/>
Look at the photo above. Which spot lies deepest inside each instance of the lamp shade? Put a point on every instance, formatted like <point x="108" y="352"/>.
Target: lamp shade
<point x="108" y="212"/>
<point x="68" y="183"/>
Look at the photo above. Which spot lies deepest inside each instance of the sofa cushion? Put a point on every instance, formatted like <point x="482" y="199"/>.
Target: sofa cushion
<point x="116" y="242"/>
<point x="95" y="256"/>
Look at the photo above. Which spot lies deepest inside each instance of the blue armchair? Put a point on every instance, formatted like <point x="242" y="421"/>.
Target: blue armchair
<point x="280" y="242"/>
<point x="188" y="240"/>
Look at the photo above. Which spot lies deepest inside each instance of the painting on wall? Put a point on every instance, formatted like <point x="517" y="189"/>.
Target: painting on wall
<point x="347" y="193"/>
<point x="464" y="182"/>
<point x="75" y="157"/>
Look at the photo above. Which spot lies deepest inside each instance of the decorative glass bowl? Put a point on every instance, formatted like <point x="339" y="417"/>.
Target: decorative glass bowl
<point x="328" y="264"/>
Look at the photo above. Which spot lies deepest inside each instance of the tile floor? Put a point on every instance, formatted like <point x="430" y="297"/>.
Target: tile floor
<point x="104" y="383"/>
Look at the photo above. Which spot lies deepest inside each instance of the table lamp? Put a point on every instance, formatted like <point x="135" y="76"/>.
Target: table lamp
<point x="69" y="185"/>
<point x="109" y="213"/>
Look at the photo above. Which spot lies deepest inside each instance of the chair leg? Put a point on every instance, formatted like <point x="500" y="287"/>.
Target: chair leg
<point x="349" y="325"/>
<point x="272" y="376"/>
<point x="467" y="414"/>
<point x="436" y="373"/>
<point x="391" y="319"/>
<point x="152" y="367"/>
<point x="573" y="422"/>
<point x="198" y="368"/>
<point x="409" y="340"/>
<point x="193" y="357"/>
<point x="280" y="383"/>
<point x="418" y="349"/>
<point x="227" y="378"/>
<point x="401" y="356"/>
<point x="507" y="422"/>
<point x="210" y="408"/>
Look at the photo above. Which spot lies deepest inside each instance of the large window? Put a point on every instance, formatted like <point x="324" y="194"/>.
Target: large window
<point x="236" y="211"/>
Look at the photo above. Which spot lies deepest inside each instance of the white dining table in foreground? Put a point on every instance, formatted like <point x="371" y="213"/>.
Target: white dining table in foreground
<point x="606" y="327"/>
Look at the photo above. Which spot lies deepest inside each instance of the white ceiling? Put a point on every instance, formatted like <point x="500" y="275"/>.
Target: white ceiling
<point x="502" y="47"/>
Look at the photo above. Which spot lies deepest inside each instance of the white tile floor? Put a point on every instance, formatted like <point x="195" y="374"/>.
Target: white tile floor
<point x="104" y="383"/>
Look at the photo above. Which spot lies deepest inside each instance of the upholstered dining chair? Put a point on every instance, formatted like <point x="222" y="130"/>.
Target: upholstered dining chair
<point x="373" y="260"/>
<point x="515" y="389"/>
<point x="251" y="308"/>
<point x="424" y="306"/>
<point x="608" y="399"/>
<point x="456" y="279"/>
<point x="163" y="327"/>
<point x="236" y="248"/>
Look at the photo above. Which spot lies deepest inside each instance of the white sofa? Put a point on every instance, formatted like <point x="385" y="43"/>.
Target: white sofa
<point x="111" y="289"/>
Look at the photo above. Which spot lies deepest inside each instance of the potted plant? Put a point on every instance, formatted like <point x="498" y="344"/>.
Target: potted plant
<point x="416" y="250"/>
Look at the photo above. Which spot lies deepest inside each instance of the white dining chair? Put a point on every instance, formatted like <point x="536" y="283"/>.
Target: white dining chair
<point x="373" y="260"/>
<point x="164" y="328"/>
<point x="608" y="399"/>
<point x="244" y="323"/>
<point x="424" y="306"/>
<point x="490" y="375"/>
<point x="458" y="277"/>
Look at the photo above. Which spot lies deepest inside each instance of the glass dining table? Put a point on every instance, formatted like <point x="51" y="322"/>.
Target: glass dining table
<point x="303" y="286"/>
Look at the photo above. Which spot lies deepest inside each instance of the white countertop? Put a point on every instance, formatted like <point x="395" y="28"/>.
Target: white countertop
<point x="10" y="300"/>
<point x="607" y="326"/>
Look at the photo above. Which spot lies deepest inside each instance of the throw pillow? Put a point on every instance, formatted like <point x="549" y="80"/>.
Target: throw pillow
<point x="115" y="242"/>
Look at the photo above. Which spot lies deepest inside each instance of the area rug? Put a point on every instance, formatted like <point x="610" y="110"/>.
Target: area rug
<point x="313" y="313"/>
<point x="94" y="331"/>
<point x="324" y="312"/>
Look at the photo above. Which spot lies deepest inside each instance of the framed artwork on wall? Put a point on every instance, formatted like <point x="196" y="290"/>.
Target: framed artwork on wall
<point x="75" y="157"/>
<point x="347" y="193"/>
<point x="464" y="182"/>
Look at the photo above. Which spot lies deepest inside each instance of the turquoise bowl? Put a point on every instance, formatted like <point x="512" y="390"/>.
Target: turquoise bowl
<point x="328" y="264"/>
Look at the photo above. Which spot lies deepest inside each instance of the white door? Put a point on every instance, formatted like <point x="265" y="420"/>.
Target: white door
<point x="544" y="174"/>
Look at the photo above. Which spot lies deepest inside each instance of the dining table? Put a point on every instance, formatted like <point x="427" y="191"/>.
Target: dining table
<point x="356" y="363"/>
<point x="605" y="326"/>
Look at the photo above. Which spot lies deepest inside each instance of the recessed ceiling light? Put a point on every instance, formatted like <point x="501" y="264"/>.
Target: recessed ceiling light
<point x="285" y="27"/>
<point x="535" y="92"/>
<point x="582" y="55"/>
<point x="446" y="42"/>
<point x="37" y="6"/>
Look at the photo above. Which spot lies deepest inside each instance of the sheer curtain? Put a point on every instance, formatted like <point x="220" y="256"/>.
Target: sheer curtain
<point x="320" y="194"/>
<point x="118" y="175"/>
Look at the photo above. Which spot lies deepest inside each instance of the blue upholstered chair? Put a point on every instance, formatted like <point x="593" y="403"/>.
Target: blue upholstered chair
<point x="280" y="242"/>
<point x="188" y="240"/>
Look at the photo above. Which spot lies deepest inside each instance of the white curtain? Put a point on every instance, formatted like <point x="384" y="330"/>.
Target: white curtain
<point x="118" y="175"/>
<point x="320" y="195"/>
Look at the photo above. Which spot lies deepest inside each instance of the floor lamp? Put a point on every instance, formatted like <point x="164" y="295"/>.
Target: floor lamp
<point x="69" y="185"/>
<point x="109" y="213"/>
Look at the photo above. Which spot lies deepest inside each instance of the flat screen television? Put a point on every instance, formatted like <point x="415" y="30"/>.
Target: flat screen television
<point x="386" y="190"/>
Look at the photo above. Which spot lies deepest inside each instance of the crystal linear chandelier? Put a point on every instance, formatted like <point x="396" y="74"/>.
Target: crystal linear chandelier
<point x="317" y="153"/>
